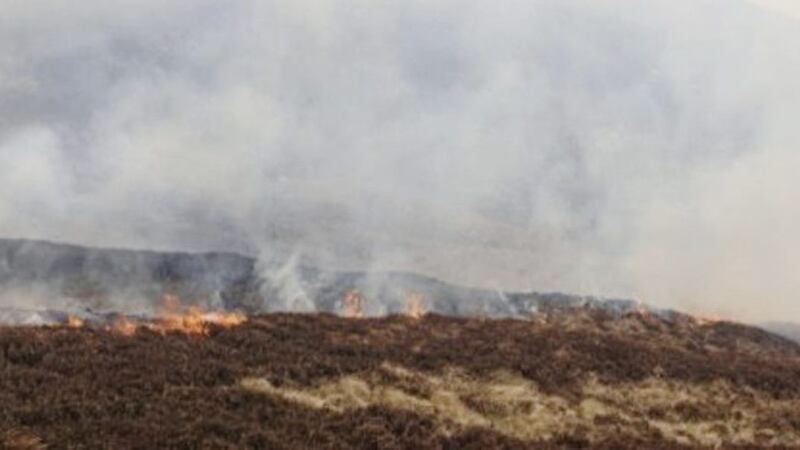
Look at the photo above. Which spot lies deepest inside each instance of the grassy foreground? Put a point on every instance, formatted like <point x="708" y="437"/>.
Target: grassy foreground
<point x="573" y="379"/>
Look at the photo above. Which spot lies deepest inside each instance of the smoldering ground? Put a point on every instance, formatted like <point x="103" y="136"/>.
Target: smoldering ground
<point x="620" y="148"/>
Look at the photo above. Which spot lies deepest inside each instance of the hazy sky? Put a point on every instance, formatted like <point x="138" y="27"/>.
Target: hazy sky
<point x="610" y="147"/>
<point x="788" y="7"/>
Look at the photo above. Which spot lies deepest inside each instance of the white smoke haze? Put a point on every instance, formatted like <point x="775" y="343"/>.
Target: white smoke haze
<point x="642" y="149"/>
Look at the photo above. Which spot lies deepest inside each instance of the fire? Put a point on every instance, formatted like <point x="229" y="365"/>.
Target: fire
<point x="225" y="319"/>
<point x="708" y="319"/>
<point x="174" y="317"/>
<point x="74" y="321"/>
<point x="192" y="319"/>
<point x="415" y="306"/>
<point x="124" y="326"/>
<point x="353" y="304"/>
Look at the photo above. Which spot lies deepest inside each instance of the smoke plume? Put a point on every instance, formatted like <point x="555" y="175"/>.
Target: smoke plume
<point x="614" y="147"/>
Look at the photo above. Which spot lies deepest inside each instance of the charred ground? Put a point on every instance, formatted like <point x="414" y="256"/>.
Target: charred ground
<point x="321" y="381"/>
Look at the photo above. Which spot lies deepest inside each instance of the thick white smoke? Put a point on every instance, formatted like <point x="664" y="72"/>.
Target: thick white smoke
<point x="612" y="147"/>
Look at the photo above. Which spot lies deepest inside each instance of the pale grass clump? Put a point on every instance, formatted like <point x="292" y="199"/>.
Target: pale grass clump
<point x="16" y="439"/>
<point x="703" y="414"/>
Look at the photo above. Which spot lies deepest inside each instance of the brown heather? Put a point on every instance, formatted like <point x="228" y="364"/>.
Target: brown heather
<point x="573" y="379"/>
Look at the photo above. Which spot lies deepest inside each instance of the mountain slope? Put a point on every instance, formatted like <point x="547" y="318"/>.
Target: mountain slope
<point x="64" y="277"/>
<point x="786" y="329"/>
<point x="568" y="379"/>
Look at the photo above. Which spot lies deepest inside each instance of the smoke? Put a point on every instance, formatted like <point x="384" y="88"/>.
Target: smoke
<point x="287" y="283"/>
<point x="610" y="147"/>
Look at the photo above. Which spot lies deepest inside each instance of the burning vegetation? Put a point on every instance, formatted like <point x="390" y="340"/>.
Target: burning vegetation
<point x="353" y="305"/>
<point x="75" y="321"/>
<point x="173" y="317"/>
<point x="415" y="306"/>
<point x="572" y="379"/>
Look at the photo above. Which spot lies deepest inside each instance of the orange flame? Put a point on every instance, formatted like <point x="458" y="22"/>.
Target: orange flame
<point x="708" y="319"/>
<point x="192" y="319"/>
<point x="353" y="305"/>
<point x="174" y="317"/>
<point x="74" y="321"/>
<point x="124" y="326"/>
<point x="415" y="306"/>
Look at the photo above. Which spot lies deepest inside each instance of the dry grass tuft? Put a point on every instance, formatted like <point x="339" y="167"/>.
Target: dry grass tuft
<point x="17" y="439"/>
<point x="715" y="414"/>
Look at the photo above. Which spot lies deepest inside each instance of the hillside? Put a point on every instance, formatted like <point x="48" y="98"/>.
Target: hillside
<point x="135" y="349"/>
<point x="786" y="329"/>
<point x="570" y="379"/>
<point x="66" y="278"/>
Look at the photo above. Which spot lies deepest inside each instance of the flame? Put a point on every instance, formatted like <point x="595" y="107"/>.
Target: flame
<point x="415" y="306"/>
<point x="74" y="321"/>
<point x="353" y="305"/>
<point x="710" y="319"/>
<point x="192" y="319"/>
<point x="190" y="322"/>
<point x="174" y="317"/>
<point x="124" y="326"/>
